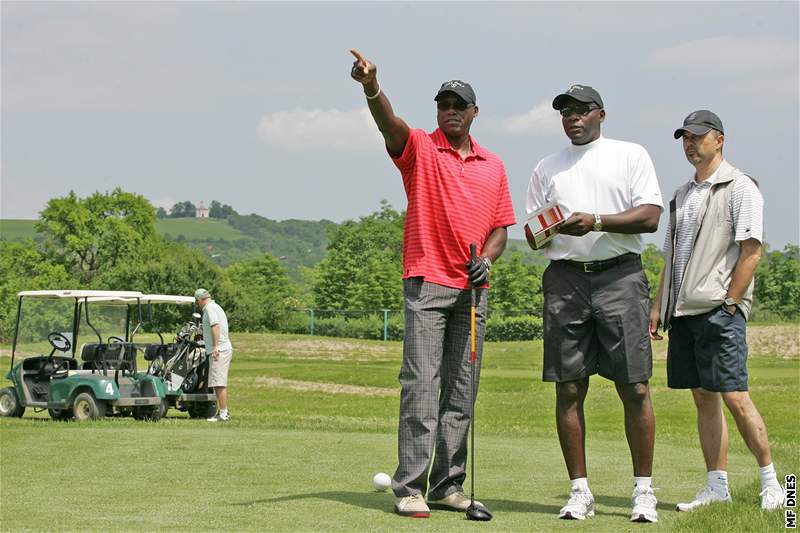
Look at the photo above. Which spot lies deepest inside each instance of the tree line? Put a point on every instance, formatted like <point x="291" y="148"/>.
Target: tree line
<point x="187" y="209"/>
<point x="108" y="241"/>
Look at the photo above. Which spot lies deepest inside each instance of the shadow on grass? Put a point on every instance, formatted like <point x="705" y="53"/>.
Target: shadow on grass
<point x="619" y="501"/>
<point x="380" y="502"/>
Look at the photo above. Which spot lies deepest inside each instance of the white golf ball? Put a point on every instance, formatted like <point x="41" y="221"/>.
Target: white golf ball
<point x="381" y="481"/>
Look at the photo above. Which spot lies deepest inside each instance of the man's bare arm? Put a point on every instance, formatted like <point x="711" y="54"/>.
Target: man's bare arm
<point x="394" y="129"/>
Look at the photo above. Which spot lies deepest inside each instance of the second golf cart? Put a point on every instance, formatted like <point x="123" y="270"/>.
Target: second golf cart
<point x="104" y="381"/>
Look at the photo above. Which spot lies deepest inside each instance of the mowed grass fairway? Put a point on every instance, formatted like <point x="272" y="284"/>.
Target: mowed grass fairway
<point x="315" y="418"/>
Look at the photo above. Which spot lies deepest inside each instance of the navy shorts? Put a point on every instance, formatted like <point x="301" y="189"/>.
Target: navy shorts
<point x="708" y="351"/>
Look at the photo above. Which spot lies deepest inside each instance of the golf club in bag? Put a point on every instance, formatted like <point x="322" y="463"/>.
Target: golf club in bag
<point x="474" y="512"/>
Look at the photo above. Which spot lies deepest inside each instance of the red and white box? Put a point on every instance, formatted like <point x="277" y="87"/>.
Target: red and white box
<point x="544" y="223"/>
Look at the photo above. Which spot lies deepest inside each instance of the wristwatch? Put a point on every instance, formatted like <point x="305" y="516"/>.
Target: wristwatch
<point x="598" y="224"/>
<point x="728" y="302"/>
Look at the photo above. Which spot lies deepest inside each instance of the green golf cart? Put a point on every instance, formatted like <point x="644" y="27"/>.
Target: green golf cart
<point x="98" y="380"/>
<point x="182" y="364"/>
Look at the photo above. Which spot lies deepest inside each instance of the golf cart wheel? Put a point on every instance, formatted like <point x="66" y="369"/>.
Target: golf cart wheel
<point x="202" y="409"/>
<point x="86" y="407"/>
<point x="9" y="403"/>
<point x="151" y="413"/>
<point x="60" y="414"/>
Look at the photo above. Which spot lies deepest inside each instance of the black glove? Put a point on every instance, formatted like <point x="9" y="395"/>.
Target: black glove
<point x="478" y="271"/>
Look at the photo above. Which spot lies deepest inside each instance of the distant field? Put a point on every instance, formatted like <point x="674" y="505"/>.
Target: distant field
<point x="17" y="230"/>
<point x="190" y="228"/>
<point x="198" y="229"/>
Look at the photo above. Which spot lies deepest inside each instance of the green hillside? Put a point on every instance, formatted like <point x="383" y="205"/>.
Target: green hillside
<point x="204" y="229"/>
<point x="295" y="242"/>
<point x="17" y="230"/>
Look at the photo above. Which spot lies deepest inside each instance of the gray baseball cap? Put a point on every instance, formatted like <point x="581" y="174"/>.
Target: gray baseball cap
<point x="199" y="294"/>
<point x="699" y="123"/>
<point x="582" y="93"/>
<point x="460" y="88"/>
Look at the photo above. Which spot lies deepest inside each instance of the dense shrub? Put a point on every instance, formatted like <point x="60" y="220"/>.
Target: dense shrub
<point x="514" y="328"/>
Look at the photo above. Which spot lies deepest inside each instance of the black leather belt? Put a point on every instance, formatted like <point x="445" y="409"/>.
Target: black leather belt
<point x="599" y="266"/>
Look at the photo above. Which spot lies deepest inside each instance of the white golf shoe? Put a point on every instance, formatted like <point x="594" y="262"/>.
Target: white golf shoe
<point x="772" y="498"/>
<point x="579" y="507"/>
<point x="706" y="496"/>
<point x="644" y="505"/>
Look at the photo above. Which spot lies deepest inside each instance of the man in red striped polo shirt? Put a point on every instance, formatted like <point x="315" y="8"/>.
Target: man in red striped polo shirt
<point x="457" y="194"/>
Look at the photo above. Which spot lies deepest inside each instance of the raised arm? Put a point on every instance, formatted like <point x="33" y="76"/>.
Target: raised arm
<point x="393" y="128"/>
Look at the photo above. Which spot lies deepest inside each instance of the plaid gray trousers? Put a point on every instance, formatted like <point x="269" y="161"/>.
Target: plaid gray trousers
<point x="435" y="379"/>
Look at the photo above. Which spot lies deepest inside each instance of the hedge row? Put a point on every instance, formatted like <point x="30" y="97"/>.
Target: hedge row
<point x="498" y="328"/>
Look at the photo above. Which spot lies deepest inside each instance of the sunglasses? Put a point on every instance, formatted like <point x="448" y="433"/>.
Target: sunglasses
<point x="580" y="109"/>
<point x="458" y="105"/>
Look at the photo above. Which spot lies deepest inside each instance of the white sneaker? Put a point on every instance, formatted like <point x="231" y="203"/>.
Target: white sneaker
<point x="644" y="505"/>
<point x="413" y="506"/>
<point x="704" y="497"/>
<point x="579" y="507"/>
<point x="772" y="498"/>
<point x="219" y="418"/>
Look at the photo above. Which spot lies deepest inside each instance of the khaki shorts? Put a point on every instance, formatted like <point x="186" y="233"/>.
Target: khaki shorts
<point x="219" y="369"/>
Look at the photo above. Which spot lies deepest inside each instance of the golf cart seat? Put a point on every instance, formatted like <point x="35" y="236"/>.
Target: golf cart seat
<point x="115" y="356"/>
<point x="155" y="350"/>
<point x="42" y="367"/>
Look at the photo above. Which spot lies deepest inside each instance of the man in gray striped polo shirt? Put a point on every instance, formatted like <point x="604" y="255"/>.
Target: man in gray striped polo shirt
<point x="712" y="249"/>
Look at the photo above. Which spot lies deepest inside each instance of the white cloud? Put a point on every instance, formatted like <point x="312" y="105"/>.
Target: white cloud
<point x="542" y="120"/>
<point x="729" y="53"/>
<point x="350" y="130"/>
<point x="756" y="67"/>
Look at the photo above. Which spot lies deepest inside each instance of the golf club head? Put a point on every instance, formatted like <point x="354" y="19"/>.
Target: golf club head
<point x="478" y="512"/>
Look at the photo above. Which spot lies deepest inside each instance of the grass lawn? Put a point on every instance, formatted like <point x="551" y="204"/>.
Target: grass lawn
<point x="315" y="419"/>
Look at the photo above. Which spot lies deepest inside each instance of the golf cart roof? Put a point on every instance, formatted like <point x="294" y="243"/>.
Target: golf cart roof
<point x="81" y="294"/>
<point x="167" y="299"/>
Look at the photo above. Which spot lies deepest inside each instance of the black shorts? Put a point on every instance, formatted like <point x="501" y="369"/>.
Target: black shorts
<point x="708" y="351"/>
<point x="597" y="322"/>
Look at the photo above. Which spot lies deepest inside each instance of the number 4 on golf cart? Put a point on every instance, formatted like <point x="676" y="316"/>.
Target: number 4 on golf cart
<point x="105" y="379"/>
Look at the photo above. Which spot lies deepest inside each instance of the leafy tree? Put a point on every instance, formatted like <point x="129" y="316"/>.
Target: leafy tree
<point x="168" y="268"/>
<point x="777" y="285"/>
<point x="183" y="210"/>
<point x="25" y="268"/>
<point x="363" y="267"/>
<point x="261" y="294"/>
<point x="653" y="264"/>
<point x="218" y="210"/>
<point x="161" y="213"/>
<point x="91" y="234"/>
<point x="516" y="286"/>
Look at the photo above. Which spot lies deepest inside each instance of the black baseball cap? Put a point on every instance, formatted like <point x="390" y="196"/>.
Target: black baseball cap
<point x="699" y="123"/>
<point x="581" y="93"/>
<point x="460" y="88"/>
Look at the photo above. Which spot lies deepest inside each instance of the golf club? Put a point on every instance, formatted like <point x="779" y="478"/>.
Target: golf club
<point x="474" y="512"/>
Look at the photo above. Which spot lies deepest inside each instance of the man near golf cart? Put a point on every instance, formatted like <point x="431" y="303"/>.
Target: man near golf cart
<point x="457" y="194"/>
<point x="596" y="296"/>
<point x="215" y="337"/>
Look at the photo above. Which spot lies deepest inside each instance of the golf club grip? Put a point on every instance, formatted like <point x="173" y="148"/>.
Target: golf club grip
<point x="473" y="251"/>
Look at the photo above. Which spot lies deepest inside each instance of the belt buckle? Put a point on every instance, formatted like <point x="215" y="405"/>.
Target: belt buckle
<point x="587" y="269"/>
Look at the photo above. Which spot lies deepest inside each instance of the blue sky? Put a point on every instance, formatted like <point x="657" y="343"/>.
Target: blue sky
<point x="251" y="103"/>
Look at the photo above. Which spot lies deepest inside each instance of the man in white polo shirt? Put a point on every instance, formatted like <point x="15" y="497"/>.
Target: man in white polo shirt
<point x="215" y="336"/>
<point x="596" y="294"/>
